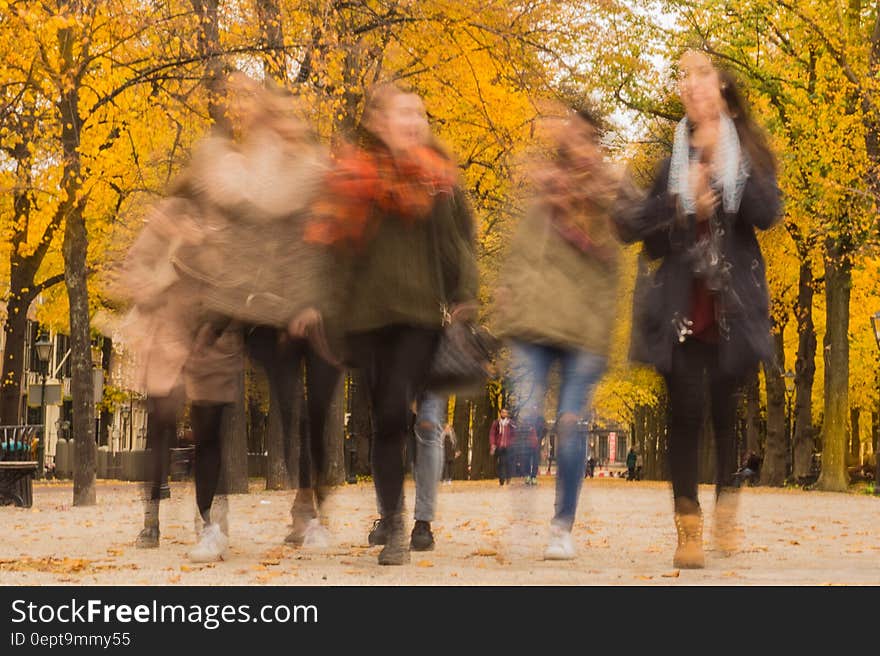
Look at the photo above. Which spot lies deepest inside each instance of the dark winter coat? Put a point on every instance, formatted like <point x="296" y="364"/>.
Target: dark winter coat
<point x="665" y="280"/>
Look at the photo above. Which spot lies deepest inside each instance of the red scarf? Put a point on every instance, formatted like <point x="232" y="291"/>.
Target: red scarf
<point x="405" y="186"/>
<point x="579" y="205"/>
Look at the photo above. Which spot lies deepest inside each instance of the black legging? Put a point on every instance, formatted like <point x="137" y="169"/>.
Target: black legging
<point x="162" y="413"/>
<point x="282" y="359"/>
<point x="206" y="421"/>
<point x="694" y="362"/>
<point x="395" y="360"/>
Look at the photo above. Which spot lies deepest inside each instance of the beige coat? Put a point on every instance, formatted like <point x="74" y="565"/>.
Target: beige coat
<point x="165" y="330"/>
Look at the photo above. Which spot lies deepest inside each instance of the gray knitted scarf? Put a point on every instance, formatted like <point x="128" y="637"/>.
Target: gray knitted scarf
<point x="733" y="168"/>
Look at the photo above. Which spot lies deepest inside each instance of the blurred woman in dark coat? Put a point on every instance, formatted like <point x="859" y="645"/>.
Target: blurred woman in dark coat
<point x="701" y="313"/>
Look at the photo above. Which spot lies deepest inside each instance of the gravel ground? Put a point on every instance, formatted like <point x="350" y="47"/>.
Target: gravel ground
<point x="486" y="535"/>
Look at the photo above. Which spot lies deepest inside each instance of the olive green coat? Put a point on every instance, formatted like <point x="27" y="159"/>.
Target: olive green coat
<point x="408" y="270"/>
<point x="553" y="293"/>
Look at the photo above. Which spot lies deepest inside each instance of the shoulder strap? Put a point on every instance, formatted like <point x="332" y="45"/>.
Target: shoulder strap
<point x="441" y="286"/>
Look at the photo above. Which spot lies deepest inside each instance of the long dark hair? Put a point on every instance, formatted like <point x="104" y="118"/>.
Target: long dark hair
<point x="751" y="136"/>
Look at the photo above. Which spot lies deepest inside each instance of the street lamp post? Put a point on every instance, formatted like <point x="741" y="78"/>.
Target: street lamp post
<point x="43" y="348"/>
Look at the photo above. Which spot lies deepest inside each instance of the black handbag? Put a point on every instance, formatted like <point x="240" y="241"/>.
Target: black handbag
<point x="463" y="359"/>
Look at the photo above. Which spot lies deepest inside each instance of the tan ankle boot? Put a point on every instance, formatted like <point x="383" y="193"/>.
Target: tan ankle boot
<point x="689" y="524"/>
<point x="727" y="535"/>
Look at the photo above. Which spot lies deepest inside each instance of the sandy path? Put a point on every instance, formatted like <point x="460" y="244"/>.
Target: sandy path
<point x="625" y="536"/>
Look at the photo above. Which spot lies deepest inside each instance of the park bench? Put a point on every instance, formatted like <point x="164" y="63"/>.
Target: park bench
<point x="17" y="482"/>
<point x="17" y="466"/>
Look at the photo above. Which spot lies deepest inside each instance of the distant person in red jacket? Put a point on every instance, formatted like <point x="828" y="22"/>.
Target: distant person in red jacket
<point x="500" y="441"/>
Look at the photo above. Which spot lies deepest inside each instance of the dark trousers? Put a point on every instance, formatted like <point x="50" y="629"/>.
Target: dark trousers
<point x="695" y="376"/>
<point x="534" y="459"/>
<point x="395" y="360"/>
<point x="502" y="464"/>
<point x="162" y="414"/>
<point x="282" y="359"/>
<point x="447" y="469"/>
<point x="206" y="419"/>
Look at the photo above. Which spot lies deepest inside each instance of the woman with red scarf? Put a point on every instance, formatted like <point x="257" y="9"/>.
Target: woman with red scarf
<point x="394" y="213"/>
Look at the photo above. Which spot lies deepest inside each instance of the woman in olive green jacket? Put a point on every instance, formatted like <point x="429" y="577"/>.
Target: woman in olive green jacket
<point x="403" y="231"/>
<point x="557" y="303"/>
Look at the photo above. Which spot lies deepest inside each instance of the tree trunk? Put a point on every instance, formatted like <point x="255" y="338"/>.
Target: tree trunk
<point x="639" y="424"/>
<point x="299" y="429"/>
<point x="106" y="417"/>
<point x="335" y="436"/>
<point x="871" y="118"/>
<point x="773" y="468"/>
<point x="360" y="423"/>
<point x="855" y="442"/>
<point x="838" y="282"/>
<point x="233" y="434"/>
<point x="654" y="428"/>
<point x="482" y="462"/>
<point x="75" y="249"/>
<point x="753" y="415"/>
<point x="209" y="49"/>
<point x="277" y="475"/>
<point x="23" y="268"/>
<point x="461" y="424"/>
<point x="15" y="328"/>
<point x="875" y="433"/>
<point x="272" y="37"/>
<point x="804" y="372"/>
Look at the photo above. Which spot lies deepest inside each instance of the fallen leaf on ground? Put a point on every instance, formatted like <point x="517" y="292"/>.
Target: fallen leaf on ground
<point x="674" y="574"/>
<point x="484" y="552"/>
<point x="274" y="554"/>
<point x="49" y="564"/>
<point x="424" y="563"/>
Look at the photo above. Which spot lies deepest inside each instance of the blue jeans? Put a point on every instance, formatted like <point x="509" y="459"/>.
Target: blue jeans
<point x="425" y="448"/>
<point x="580" y="371"/>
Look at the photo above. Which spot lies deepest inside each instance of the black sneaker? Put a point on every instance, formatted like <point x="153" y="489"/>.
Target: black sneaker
<point x="421" y="539"/>
<point x="379" y="533"/>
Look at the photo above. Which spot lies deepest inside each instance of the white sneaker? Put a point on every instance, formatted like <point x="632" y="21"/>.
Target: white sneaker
<point x="219" y="514"/>
<point x="317" y="536"/>
<point x="211" y="547"/>
<point x="561" y="546"/>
